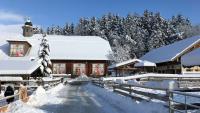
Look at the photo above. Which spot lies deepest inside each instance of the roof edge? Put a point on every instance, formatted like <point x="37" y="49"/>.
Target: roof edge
<point x="184" y="50"/>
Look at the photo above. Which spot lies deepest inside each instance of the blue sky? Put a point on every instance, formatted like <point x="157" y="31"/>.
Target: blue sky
<point x="58" y="12"/>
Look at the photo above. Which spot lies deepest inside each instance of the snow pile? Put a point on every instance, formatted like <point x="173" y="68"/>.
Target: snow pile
<point x="20" y="107"/>
<point x="41" y="97"/>
<point x="161" y="84"/>
<point x="120" y="81"/>
<point x="133" y="82"/>
<point x="124" y="104"/>
<point x="38" y="98"/>
<point x="54" y="91"/>
<point x="82" y="78"/>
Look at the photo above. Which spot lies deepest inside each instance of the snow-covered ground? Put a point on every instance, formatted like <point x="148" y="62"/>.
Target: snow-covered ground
<point x="122" y="103"/>
<point x="84" y="99"/>
<point x="39" y="98"/>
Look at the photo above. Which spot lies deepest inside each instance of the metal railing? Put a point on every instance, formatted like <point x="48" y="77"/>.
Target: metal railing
<point x="183" y="106"/>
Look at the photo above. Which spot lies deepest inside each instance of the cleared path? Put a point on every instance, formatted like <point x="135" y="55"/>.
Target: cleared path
<point x="76" y="101"/>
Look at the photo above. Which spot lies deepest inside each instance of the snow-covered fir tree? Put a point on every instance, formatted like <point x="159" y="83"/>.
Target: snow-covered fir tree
<point x="136" y="34"/>
<point x="44" y="58"/>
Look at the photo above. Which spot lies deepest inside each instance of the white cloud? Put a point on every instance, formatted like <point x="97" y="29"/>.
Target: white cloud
<point x="6" y="16"/>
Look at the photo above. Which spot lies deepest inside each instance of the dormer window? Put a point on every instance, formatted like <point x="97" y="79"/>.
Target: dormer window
<point x="19" y="47"/>
<point x="17" y="50"/>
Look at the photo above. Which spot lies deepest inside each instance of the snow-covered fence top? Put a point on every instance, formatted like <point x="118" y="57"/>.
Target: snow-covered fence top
<point x="149" y="75"/>
<point x="46" y="83"/>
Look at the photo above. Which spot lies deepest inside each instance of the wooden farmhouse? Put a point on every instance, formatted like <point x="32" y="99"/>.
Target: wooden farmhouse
<point x="180" y="57"/>
<point x="131" y="66"/>
<point x="123" y="68"/>
<point x="70" y="55"/>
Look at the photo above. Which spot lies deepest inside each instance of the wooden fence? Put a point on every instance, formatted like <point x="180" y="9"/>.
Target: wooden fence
<point x="167" y="95"/>
<point x="129" y="90"/>
<point x="32" y="83"/>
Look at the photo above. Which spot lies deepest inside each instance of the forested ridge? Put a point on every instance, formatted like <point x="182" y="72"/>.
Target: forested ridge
<point x="133" y="35"/>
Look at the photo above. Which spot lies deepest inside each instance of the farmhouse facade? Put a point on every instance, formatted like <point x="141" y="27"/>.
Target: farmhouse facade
<point x="180" y="57"/>
<point x="72" y="55"/>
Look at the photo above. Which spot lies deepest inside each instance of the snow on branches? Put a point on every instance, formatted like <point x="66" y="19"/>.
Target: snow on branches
<point x="44" y="58"/>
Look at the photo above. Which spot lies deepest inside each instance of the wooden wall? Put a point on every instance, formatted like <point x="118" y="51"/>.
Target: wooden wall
<point x="88" y="63"/>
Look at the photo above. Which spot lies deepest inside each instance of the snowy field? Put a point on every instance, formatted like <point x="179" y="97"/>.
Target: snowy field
<point x="82" y="99"/>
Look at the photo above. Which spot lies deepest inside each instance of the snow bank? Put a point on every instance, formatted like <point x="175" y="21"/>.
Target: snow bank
<point x="161" y="84"/>
<point x="82" y="78"/>
<point x="20" y="107"/>
<point x="41" y="97"/>
<point x="79" y="78"/>
<point x="133" y="82"/>
<point x="124" y="104"/>
<point x="120" y="81"/>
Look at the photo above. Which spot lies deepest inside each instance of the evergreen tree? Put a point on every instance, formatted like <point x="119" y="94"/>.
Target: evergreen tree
<point x="44" y="59"/>
<point x="134" y="35"/>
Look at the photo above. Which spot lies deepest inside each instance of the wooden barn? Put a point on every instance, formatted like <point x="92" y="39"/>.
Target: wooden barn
<point x="180" y="57"/>
<point x="124" y="68"/>
<point x="70" y="55"/>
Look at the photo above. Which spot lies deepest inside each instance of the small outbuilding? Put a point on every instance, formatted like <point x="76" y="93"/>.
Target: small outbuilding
<point x="145" y="66"/>
<point x="123" y="68"/>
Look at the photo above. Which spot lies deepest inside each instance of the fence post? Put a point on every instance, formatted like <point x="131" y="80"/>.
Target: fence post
<point x="113" y="88"/>
<point x="103" y="84"/>
<point x="62" y="80"/>
<point x="0" y="86"/>
<point x="130" y="89"/>
<point x="170" y="94"/>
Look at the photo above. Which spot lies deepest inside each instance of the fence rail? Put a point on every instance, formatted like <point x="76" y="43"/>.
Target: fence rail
<point x="182" y="106"/>
<point x="167" y="95"/>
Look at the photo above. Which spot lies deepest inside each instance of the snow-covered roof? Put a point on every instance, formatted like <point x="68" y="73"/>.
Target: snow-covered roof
<point x="9" y="78"/>
<point x="15" y="67"/>
<point x="170" y="52"/>
<point x="63" y="47"/>
<point x="145" y="64"/>
<point x="192" y="58"/>
<point x="124" y="63"/>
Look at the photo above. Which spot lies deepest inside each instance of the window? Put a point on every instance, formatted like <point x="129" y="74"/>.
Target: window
<point x="79" y="69"/>
<point x="98" y="69"/>
<point x="17" y="50"/>
<point x="59" y="68"/>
